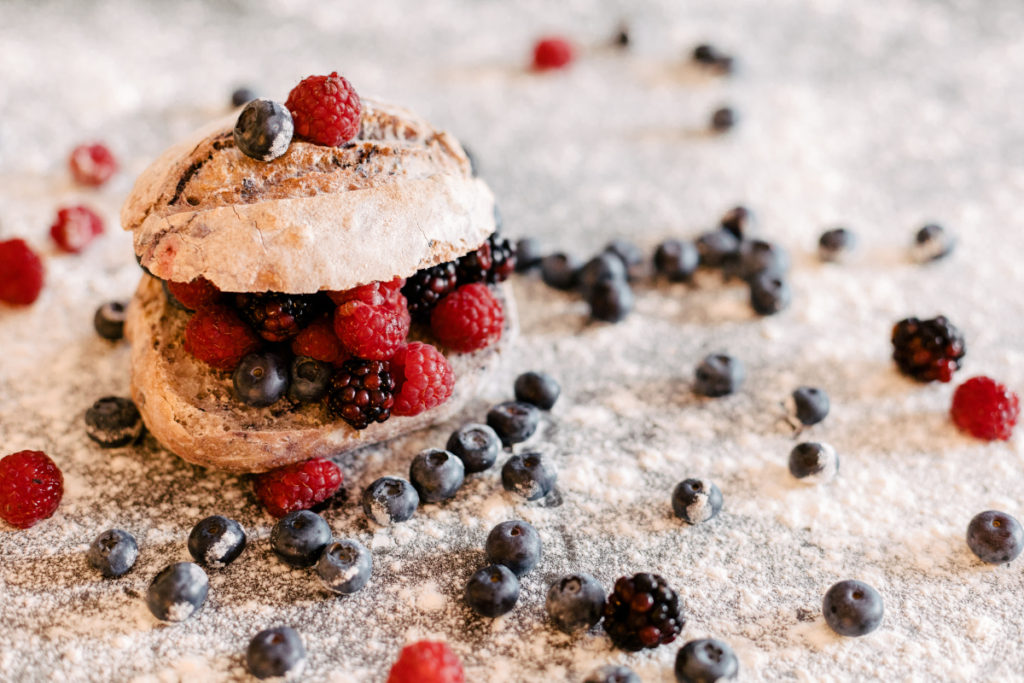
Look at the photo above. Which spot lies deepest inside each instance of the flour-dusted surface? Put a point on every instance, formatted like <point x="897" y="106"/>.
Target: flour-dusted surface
<point x="879" y="116"/>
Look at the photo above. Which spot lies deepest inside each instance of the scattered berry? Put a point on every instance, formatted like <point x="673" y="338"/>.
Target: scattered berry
<point x="575" y="602"/>
<point x="423" y="379"/>
<point x="706" y="661"/>
<point x="757" y="257"/>
<point x="241" y="96"/>
<point x="613" y="673"/>
<point x="770" y="293"/>
<point x="852" y="608"/>
<point x="927" y="350"/>
<point x="642" y="612"/>
<point x="477" y="445"/>
<point x="193" y="294"/>
<point x="308" y="379"/>
<point x="932" y="243"/>
<point x="218" y="337"/>
<point x="372" y="332"/>
<point x="985" y="408"/>
<point x="275" y="653"/>
<point x="318" y="341"/>
<point x="676" y="260"/>
<point x="723" y="119"/>
<point x="630" y="255"/>
<point x="300" y="537"/>
<point x="261" y="378"/>
<point x="696" y="500"/>
<point x="621" y="38"/>
<point x="92" y="164"/>
<point x="552" y="53"/>
<point x="513" y="421"/>
<point x="515" y="545"/>
<point x="717" y="247"/>
<point x="109" y="320"/>
<point x="740" y="221"/>
<point x="719" y="374"/>
<point x="345" y="567"/>
<point x="836" y="245"/>
<point x="610" y="300"/>
<point x="492" y="591"/>
<point x="474" y="266"/>
<point x="537" y="388"/>
<point x="21" y="273"/>
<point x="503" y="258"/>
<point x="177" y="592"/>
<point x="436" y="474"/>
<point x="712" y="58"/>
<point x="528" y="254"/>
<point x="813" y="463"/>
<point x="528" y="475"/>
<point x="468" y="319"/>
<point x="31" y="487"/>
<point x="361" y="392"/>
<point x="296" y="487"/>
<point x="426" y="661"/>
<point x="603" y="267"/>
<point x="389" y="500"/>
<point x="264" y="130"/>
<point x="809" y="405"/>
<point x="216" y="541"/>
<point x="325" y="110"/>
<point x="995" y="537"/>
<point x="75" y="227"/>
<point x="113" y="422"/>
<point x="277" y="317"/>
<point x="113" y="553"/>
<point x="559" y="271"/>
<point x="428" y="286"/>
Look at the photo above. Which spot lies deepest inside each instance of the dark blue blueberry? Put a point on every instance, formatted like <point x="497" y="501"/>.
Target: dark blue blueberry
<point x="515" y="544"/>
<point x="177" y="592"/>
<point x="513" y="421"/>
<point x="275" y="653"/>
<point x="836" y="244"/>
<point x="630" y="255"/>
<point x="109" y="320"/>
<point x="477" y="445"/>
<point x="242" y="96"/>
<point x="390" y="499"/>
<point x="706" y="661"/>
<point x="492" y="591"/>
<point x="528" y="254"/>
<point x="528" y="475"/>
<point x="813" y="462"/>
<point x="610" y="300"/>
<point x="437" y="474"/>
<point x="696" y="500"/>
<point x="264" y="130"/>
<point x="717" y="247"/>
<point x="345" y="566"/>
<point x="852" y="608"/>
<point x="300" y="537"/>
<point x="995" y="537"/>
<point x="559" y="271"/>
<point x="603" y="267"/>
<point x="261" y="378"/>
<point x="113" y="421"/>
<point x="740" y="221"/>
<point x="613" y="673"/>
<point x="760" y="256"/>
<point x="933" y="242"/>
<point x="712" y="58"/>
<point x="537" y="388"/>
<point x="723" y="119"/>
<point x="309" y="379"/>
<point x="216" y="541"/>
<point x="719" y="375"/>
<point x="113" y="553"/>
<point x="676" y="260"/>
<point x="810" y="405"/>
<point x="769" y="293"/>
<point x="575" y="602"/>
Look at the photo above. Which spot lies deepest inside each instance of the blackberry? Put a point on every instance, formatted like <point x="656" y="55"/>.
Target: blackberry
<point x="642" y="612"/>
<point x="275" y="316"/>
<point x="476" y="265"/>
<point x="503" y="258"/>
<point x="362" y="392"/>
<point x="428" y="286"/>
<point x="927" y="350"/>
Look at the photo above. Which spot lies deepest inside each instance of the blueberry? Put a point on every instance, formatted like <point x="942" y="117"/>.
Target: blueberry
<point x="109" y="320"/>
<point x="575" y="602"/>
<point x="558" y="271"/>
<point x="836" y="244"/>
<point x="216" y="541"/>
<point x="345" y="566"/>
<point x="514" y="421"/>
<point x="995" y="537"/>
<point x="537" y="388"/>
<point x="177" y="592"/>
<point x="264" y="130"/>
<point x="613" y="673"/>
<point x="630" y="255"/>
<point x="309" y="378"/>
<point x="610" y="300"/>
<point x="712" y="58"/>
<point x="528" y="254"/>
<point x="242" y="96"/>
<point x="696" y="500"/>
<point x="717" y="247"/>
<point x="813" y="463"/>
<point x="760" y="256"/>
<point x="437" y="474"/>
<point x="719" y="375"/>
<point x="740" y="221"/>
<point x="528" y="475"/>
<point x="300" y="537"/>
<point x="605" y="266"/>
<point x="706" y="661"/>
<point x="769" y="293"/>
<point x="390" y="499"/>
<point x="477" y="445"/>
<point x="275" y="652"/>
<point x="261" y="378"/>
<point x="113" y="421"/>
<point x="676" y="260"/>
<point x="113" y="553"/>
<point x="723" y="119"/>
<point x="810" y="405"/>
<point x="492" y="591"/>
<point x="514" y="544"/>
<point x="931" y="243"/>
<point x="852" y="608"/>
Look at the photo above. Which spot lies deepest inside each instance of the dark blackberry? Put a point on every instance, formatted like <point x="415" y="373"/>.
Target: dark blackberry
<point x="503" y="258"/>
<point x="275" y="316"/>
<point x="424" y="289"/>
<point x="362" y="392"/>
<point x="476" y="265"/>
<point x="642" y="612"/>
<point x="927" y="350"/>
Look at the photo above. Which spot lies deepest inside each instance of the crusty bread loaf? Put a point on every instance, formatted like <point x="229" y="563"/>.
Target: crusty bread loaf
<point x="192" y="410"/>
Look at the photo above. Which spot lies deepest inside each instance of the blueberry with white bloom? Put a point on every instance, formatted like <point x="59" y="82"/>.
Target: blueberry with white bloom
<point x="529" y="475"/>
<point x="837" y="245"/>
<point x="706" y="661"/>
<point x="696" y="500"/>
<point x="575" y="602"/>
<point x="515" y="544"/>
<point x="113" y="553"/>
<point x="390" y="499"/>
<point x="275" y="653"/>
<point x="809" y="405"/>
<point x="931" y="243"/>
<point x="477" y="445"/>
<point x="436" y="474"/>
<point x="719" y="374"/>
<point x="345" y="566"/>
<point x="813" y="463"/>
<point x="216" y="541"/>
<point x="177" y="592"/>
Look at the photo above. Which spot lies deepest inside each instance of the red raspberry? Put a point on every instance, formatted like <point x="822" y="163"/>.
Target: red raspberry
<point x="468" y="319"/>
<point x="92" y="164"/>
<point x="423" y="379"/>
<point x="372" y="332"/>
<point x="194" y="294"/>
<point x="31" y="487"/>
<point x="217" y="336"/>
<point x="375" y="293"/>
<point x="552" y="53"/>
<point x="21" y="273"/>
<point x="297" y="487"/>
<point x="427" y="661"/>
<point x="325" y="110"/>
<point x="985" y="408"/>
<point x="318" y="341"/>
<point x="76" y="226"/>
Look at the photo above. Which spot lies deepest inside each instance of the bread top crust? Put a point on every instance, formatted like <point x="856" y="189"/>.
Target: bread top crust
<point x="399" y="197"/>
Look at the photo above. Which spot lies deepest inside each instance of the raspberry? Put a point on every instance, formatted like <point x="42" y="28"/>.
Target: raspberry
<point x="76" y="226"/>
<point x="642" y="612"/>
<point x="361" y="392"/>
<point x="374" y="294"/>
<point x="21" y="273"/>
<point x="985" y="408"/>
<point x="927" y="350"/>
<point x="31" y="487"/>
<point x="474" y="266"/>
<point x="423" y="379"/>
<point x="275" y="316"/>
<point x="424" y="289"/>
<point x="552" y="53"/>
<point x="503" y="258"/>
<point x="318" y="341"/>
<point x="217" y="336"/>
<point x="92" y="164"/>
<point x="325" y="110"/>
<point x="468" y="319"/>
<point x="426" y="661"/>
<point x="372" y="332"/>
<point x="194" y="294"/>
<point x="297" y="487"/>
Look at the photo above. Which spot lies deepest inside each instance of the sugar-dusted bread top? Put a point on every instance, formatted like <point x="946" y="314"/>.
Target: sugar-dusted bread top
<point x="399" y="197"/>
